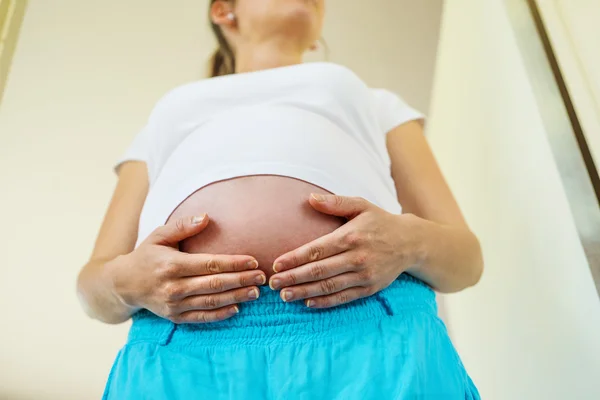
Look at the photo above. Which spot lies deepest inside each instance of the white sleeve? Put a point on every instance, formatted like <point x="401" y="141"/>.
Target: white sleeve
<point x="138" y="149"/>
<point x="392" y="110"/>
<point x="145" y="141"/>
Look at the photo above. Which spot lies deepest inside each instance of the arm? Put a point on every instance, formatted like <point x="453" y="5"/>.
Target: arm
<point x="117" y="237"/>
<point x="449" y="258"/>
<point x="182" y="287"/>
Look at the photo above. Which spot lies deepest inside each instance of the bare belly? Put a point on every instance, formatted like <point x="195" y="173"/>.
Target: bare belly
<point x="263" y="216"/>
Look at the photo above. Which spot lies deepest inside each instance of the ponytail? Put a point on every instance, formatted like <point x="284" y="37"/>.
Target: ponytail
<point x="220" y="64"/>
<point x="223" y="60"/>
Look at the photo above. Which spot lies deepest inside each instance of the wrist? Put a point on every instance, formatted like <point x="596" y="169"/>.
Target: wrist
<point x="420" y="242"/>
<point x="112" y="275"/>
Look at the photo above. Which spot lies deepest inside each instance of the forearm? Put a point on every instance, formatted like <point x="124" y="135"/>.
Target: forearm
<point x="448" y="258"/>
<point x="96" y="294"/>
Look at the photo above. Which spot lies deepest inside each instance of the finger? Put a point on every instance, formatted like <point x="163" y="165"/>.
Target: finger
<point x="184" y="264"/>
<point x="204" y="316"/>
<point x="219" y="283"/>
<point x="314" y="271"/>
<point x="326" y="246"/>
<point x="342" y="206"/>
<point x="338" y="298"/>
<point x="217" y="300"/>
<point x="323" y="287"/>
<point x="176" y="231"/>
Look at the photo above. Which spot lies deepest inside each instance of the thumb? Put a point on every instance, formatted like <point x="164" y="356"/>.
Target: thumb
<point x="176" y="231"/>
<point x="341" y="206"/>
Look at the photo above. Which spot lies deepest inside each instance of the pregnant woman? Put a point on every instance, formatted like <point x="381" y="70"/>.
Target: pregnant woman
<point x="278" y="231"/>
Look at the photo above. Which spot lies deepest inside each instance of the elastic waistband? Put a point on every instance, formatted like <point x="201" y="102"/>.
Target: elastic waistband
<point x="269" y="318"/>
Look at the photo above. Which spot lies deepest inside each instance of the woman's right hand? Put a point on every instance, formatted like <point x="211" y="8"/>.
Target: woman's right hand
<point x="183" y="287"/>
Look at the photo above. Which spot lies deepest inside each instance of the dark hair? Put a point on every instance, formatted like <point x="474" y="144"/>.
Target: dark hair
<point x="223" y="60"/>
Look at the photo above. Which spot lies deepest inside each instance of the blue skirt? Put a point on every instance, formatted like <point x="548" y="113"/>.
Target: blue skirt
<point x="391" y="345"/>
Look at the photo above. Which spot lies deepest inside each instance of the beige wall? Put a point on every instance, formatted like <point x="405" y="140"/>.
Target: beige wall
<point x="84" y="78"/>
<point x="530" y="329"/>
<point x="389" y="43"/>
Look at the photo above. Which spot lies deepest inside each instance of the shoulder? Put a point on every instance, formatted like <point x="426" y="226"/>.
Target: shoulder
<point x="386" y="97"/>
<point x="392" y="110"/>
<point x="181" y="97"/>
<point x="181" y="91"/>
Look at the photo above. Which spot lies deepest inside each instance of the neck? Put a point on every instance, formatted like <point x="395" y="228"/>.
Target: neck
<point x="265" y="56"/>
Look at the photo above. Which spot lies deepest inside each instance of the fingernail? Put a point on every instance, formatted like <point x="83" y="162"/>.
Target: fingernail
<point x="236" y="309"/>
<point x="252" y="264"/>
<point x="198" y="220"/>
<point x="277" y="267"/>
<point x="274" y="284"/>
<point x="310" y="303"/>
<point x="253" y="293"/>
<point x="260" y="280"/>
<point x="318" y="197"/>
<point x="287" y="295"/>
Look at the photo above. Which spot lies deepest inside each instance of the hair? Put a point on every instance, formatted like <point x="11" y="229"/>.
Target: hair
<point x="223" y="59"/>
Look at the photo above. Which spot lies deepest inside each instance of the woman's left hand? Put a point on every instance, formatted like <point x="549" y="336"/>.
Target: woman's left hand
<point x="358" y="259"/>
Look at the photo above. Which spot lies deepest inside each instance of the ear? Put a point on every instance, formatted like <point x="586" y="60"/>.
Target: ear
<point x="219" y="12"/>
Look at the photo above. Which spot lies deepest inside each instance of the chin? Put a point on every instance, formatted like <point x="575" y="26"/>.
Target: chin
<point x="300" y="17"/>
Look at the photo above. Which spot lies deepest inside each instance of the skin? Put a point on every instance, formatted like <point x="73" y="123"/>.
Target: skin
<point x="431" y="240"/>
<point x="254" y="225"/>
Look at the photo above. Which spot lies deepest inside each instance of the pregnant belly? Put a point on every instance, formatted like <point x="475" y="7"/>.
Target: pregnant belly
<point x="263" y="216"/>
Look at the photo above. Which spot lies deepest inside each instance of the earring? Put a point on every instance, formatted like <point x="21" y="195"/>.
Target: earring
<point x="231" y="16"/>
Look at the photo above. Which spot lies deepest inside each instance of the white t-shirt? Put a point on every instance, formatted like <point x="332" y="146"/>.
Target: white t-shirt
<point x="318" y="122"/>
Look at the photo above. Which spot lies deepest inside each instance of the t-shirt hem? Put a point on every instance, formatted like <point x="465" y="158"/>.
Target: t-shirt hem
<point x="159" y="210"/>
